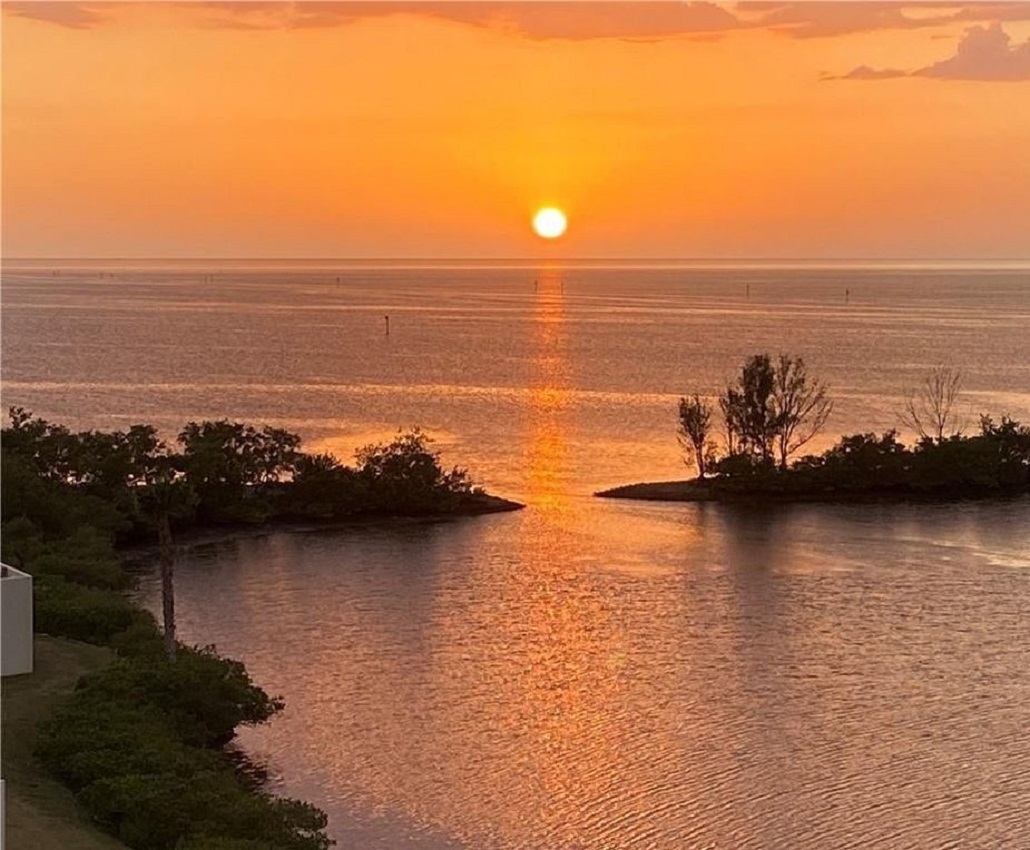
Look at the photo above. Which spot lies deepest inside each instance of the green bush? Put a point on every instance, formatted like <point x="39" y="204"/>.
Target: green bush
<point x="90" y="739"/>
<point x="142" y="639"/>
<point x="137" y="742"/>
<point x="85" y="557"/>
<point x="994" y="462"/>
<point x="405" y="477"/>
<point x="146" y="787"/>
<point x="323" y="488"/>
<point x="203" y="696"/>
<point x="55" y="507"/>
<point x="749" y="466"/>
<point x="164" y="810"/>
<point x="210" y="842"/>
<point x="67" y="609"/>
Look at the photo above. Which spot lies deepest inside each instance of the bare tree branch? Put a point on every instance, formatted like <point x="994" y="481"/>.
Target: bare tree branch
<point x="930" y="407"/>
<point x="694" y="432"/>
<point x="801" y="407"/>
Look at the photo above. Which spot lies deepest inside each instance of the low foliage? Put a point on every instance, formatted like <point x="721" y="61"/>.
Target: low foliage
<point x="71" y="610"/>
<point x="405" y="476"/>
<point x="995" y="461"/>
<point x="140" y="742"/>
<point x="123" y="482"/>
<point x="122" y="750"/>
<point x="774" y="408"/>
<point x="204" y="696"/>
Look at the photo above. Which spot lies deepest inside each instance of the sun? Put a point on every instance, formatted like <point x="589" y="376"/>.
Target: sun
<point x="549" y="222"/>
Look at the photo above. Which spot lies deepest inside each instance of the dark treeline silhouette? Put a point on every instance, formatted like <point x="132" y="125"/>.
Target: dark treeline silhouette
<point x="774" y="408"/>
<point x="770" y="411"/>
<point x="140" y="742"/>
<point x="218" y="473"/>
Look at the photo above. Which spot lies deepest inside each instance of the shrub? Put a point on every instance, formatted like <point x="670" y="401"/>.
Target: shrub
<point x="742" y="465"/>
<point x="323" y="488"/>
<point x="67" y="609"/>
<point x="56" y="508"/>
<point x="861" y="461"/>
<point x="142" y="639"/>
<point x="90" y="739"/>
<point x="85" y="557"/>
<point x="405" y="476"/>
<point x="211" y="842"/>
<point x="203" y="696"/>
<point x="137" y="742"/>
<point x="157" y="811"/>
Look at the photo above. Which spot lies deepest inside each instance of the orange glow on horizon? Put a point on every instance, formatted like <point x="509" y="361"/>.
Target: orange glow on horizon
<point x="153" y="133"/>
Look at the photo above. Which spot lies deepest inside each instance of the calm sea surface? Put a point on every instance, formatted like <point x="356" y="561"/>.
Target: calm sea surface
<point x="585" y="674"/>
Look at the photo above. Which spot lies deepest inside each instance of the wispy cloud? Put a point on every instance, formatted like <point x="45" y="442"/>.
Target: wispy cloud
<point x="995" y="12"/>
<point x="828" y="19"/>
<point x="864" y="72"/>
<point x="71" y="15"/>
<point x="535" y="20"/>
<point x="643" y="20"/>
<point x="983" y="54"/>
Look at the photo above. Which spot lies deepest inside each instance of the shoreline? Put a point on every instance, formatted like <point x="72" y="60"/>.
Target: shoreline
<point x="694" y="491"/>
<point x="483" y="504"/>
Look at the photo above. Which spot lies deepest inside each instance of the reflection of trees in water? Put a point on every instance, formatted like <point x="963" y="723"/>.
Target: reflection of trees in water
<point x="741" y="600"/>
<point x="755" y="548"/>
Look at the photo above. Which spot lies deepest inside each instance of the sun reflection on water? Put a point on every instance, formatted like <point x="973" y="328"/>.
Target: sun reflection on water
<point x="548" y="428"/>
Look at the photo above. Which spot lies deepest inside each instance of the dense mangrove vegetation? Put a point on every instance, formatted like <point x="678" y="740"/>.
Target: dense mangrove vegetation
<point x="141" y="743"/>
<point x="218" y="473"/>
<point x="774" y="408"/>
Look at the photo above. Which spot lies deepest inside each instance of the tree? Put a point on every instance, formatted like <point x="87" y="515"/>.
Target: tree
<point x="694" y="434"/>
<point x="800" y="407"/>
<point x="167" y="494"/>
<point x="405" y="474"/>
<point x="930" y="407"/>
<point x="167" y="558"/>
<point x="771" y="411"/>
<point x="229" y="464"/>
<point x="748" y="408"/>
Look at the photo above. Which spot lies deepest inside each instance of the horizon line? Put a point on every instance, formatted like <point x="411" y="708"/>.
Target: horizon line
<point x="749" y="259"/>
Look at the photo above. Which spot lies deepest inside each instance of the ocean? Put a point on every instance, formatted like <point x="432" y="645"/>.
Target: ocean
<point x="585" y="673"/>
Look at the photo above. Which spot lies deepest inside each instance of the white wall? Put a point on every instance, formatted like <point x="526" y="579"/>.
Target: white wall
<point x="15" y="622"/>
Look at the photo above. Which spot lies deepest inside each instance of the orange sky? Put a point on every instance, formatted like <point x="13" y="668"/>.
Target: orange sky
<point x="435" y="130"/>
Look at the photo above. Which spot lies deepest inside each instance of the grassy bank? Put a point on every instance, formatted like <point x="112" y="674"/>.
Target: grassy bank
<point x="41" y="813"/>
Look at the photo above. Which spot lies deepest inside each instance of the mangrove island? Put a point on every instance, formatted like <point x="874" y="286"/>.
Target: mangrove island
<point x="774" y="408"/>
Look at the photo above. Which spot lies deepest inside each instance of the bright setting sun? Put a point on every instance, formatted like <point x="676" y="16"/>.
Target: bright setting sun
<point x="549" y="222"/>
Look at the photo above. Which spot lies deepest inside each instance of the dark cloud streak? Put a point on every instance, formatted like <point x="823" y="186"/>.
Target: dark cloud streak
<point x="985" y="54"/>
<point x="638" y="21"/>
<point x="70" y="15"/>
